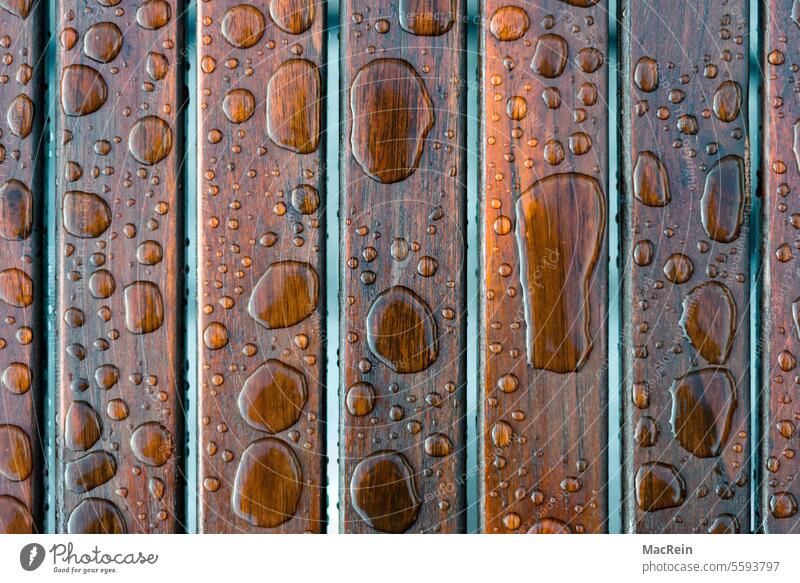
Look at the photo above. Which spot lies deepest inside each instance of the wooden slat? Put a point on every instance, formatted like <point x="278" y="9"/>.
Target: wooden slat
<point x="403" y="219"/>
<point x="780" y="323"/>
<point x="262" y="278"/>
<point x="544" y="267"/>
<point x="22" y="163"/>
<point x="685" y="233"/>
<point x="119" y="305"/>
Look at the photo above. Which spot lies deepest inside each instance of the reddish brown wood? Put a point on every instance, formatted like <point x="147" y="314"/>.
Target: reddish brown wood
<point x="403" y="217"/>
<point x="261" y="240"/>
<point x="119" y="147"/>
<point x="544" y="282"/>
<point x="22" y="284"/>
<point x="778" y="488"/>
<point x="685" y="233"/>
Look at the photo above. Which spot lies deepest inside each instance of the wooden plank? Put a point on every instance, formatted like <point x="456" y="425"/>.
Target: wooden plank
<point x="22" y="284"/>
<point x="403" y="217"/>
<point x="780" y="341"/>
<point x="544" y="277"/>
<point x="262" y="276"/>
<point x="119" y="237"/>
<point x="685" y="233"/>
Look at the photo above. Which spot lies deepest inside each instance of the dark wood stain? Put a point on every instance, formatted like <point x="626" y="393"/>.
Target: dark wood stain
<point x="544" y="270"/>
<point x="119" y="239"/>
<point x="261" y="233"/>
<point x="685" y="267"/>
<point x="403" y="222"/>
<point x="22" y="280"/>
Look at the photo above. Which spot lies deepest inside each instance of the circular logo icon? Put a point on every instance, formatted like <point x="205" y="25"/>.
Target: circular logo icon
<point x="31" y="556"/>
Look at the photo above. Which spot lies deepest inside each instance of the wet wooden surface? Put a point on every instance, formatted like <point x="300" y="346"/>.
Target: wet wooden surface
<point x="780" y="316"/>
<point x="22" y="284"/>
<point x="403" y="221"/>
<point x="685" y="244"/>
<point x="120" y="263"/>
<point x="262" y="277"/>
<point x="544" y="270"/>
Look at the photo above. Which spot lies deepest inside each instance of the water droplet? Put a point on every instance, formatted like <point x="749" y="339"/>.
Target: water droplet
<point x="215" y="336"/>
<point x="724" y="198"/>
<point x="243" y="25"/>
<point x="549" y="526"/>
<point x="646" y="433"/>
<point x="703" y="403"/>
<point x="152" y="444"/>
<point x="20" y="8"/>
<point x="102" y="42"/>
<point x="509" y="23"/>
<point x="728" y="101"/>
<point x="102" y="284"/>
<point x="645" y="74"/>
<point x="650" y="181"/>
<point x="15" y="518"/>
<point x="438" y="445"/>
<point x="238" y="105"/>
<point x="360" y="399"/>
<point x="560" y="230"/>
<point x="20" y="116"/>
<point x="678" y="268"/>
<point x="387" y="141"/>
<point x="85" y="215"/>
<point x="659" y="486"/>
<point x="502" y="434"/>
<point x="709" y="320"/>
<point x="427" y="17"/>
<point x="90" y="471"/>
<point x="96" y="516"/>
<point x="589" y="60"/>
<point x="157" y="66"/>
<point x="273" y="397"/>
<point x="402" y="332"/>
<point x="724" y="524"/>
<point x="292" y="16"/>
<point x="383" y="492"/>
<point x="150" y="140"/>
<point x="82" y="427"/>
<point x="153" y="14"/>
<point x="550" y="56"/>
<point x="16" y="288"/>
<point x="268" y="484"/>
<point x="16" y="454"/>
<point x="782" y="505"/>
<point x="643" y="253"/>
<point x="293" y="106"/>
<point x="106" y="376"/>
<point x="149" y="253"/>
<point x="83" y="90"/>
<point x="144" y="307"/>
<point x="17" y="378"/>
<point x="285" y="295"/>
<point x="16" y="211"/>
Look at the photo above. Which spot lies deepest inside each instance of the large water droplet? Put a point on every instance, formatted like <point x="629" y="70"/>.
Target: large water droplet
<point x="650" y="181"/>
<point x="238" y="105"/>
<point x="293" y="106"/>
<point x="360" y="399"/>
<point x="90" y="471"/>
<point x="152" y="444"/>
<point x="268" y="484"/>
<point x="19" y="116"/>
<point x="782" y="505"/>
<point x="16" y="211"/>
<point x="401" y="331"/>
<point x="383" y="492"/>
<point x="153" y="14"/>
<point x="728" y="101"/>
<point x="85" y="215"/>
<point x="709" y="320"/>
<point x="20" y="8"/>
<point x="292" y="16"/>
<point x="83" y="90"/>
<point x="285" y="295"/>
<point x="678" y="268"/>
<point x="102" y="42"/>
<point x="273" y="397"/>
<point x="645" y="75"/>
<point x="17" y="378"/>
<point x="724" y="198"/>
<point x="96" y="516"/>
<point x="16" y="288"/>
<point x="392" y="115"/>
<point x="659" y="486"/>
<point x="560" y="230"/>
<point x="427" y="17"/>
<point x="703" y="403"/>
<point x="144" y="307"/>
<point x="550" y="56"/>
<point x="150" y="140"/>
<point x="15" y="518"/>
<point x="243" y="25"/>
<point x="82" y="427"/>
<point x="16" y="454"/>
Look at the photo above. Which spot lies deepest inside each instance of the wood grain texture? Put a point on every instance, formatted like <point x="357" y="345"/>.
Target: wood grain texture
<point x="779" y="491"/>
<point x="403" y="221"/>
<point x="119" y="240"/>
<point x="544" y="277"/>
<point x="262" y="275"/>
<point x="22" y="284"/>
<point x="685" y="244"/>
